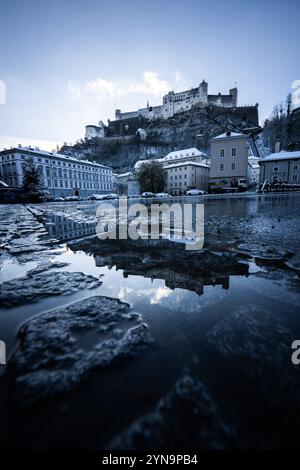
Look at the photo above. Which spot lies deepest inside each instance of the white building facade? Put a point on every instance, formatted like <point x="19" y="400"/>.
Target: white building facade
<point x="61" y="175"/>
<point x="253" y="172"/>
<point x="182" y="177"/>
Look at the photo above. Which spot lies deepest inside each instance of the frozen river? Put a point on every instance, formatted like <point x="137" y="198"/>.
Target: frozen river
<point x="199" y="356"/>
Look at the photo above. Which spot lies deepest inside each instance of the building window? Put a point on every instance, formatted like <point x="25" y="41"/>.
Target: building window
<point x="222" y="166"/>
<point x="233" y="166"/>
<point x="233" y="152"/>
<point x="294" y="177"/>
<point x="275" y="168"/>
<point x="222" y="153"/>
<point x="295" y="167"/>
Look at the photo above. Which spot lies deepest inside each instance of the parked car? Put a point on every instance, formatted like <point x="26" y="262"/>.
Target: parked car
<point x="97" y="197"/>
<point x="58" y="199"/>
<point x="162" y="195"/>
<point x="195" y="192"/>
<point x="110" y="196"/>
<point x="71" y="198"/>
<point x="148" y="194"/>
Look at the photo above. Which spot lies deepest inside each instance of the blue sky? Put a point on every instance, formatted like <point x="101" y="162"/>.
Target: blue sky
<point x="70" y="63"/>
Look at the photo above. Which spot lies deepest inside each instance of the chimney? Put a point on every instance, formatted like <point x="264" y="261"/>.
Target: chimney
<point x="277" y="147"/>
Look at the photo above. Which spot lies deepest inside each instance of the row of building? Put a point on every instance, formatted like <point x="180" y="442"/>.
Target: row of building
<point x="233" y="163"/>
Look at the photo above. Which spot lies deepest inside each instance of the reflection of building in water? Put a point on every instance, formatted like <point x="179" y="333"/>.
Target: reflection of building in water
<point x="179" y="268"/>
<point x="177" y="280"/>
<point x="60" y="227"/>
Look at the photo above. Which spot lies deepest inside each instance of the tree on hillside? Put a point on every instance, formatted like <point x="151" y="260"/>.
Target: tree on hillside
<point x="278" y="127"/>
<point x="152" y="177"/>
<point x="32" y="178"/>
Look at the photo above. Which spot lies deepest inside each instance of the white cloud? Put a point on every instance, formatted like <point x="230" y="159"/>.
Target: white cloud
<point x="102" y="89"/>
<point x="159" y="294"/>
<point x="151" y="85"/>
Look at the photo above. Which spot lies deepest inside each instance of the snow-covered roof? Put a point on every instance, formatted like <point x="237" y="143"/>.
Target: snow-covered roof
<point x="227" y="135"/>
<point x="185" y="164"/>
<point x="149" y="160"/>
<point x="191" y="152"/>
<point x="45" y="153"/>
<point x="128" y="173"/>
<point x="176" y="155"/>
<point x="283" y="155"/>
<point x="254" y="165"/>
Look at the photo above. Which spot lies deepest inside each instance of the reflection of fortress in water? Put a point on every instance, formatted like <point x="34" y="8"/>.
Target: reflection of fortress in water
<point x="154" y="259"/>
<point x="162" y="259"/>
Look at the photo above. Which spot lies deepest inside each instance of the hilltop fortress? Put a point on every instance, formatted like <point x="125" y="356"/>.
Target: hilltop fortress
<point x="172" y="104"/>
<point x="183" y="101"/>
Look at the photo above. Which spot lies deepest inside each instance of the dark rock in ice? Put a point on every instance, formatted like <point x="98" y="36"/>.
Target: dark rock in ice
<point x="186" y="418"/>
<point x="294" y="262"/>
<point x="261" y="251"/>
<point x="45" y="266"/>
<point x="36" y="286"/>
<point x="60" y="348"/>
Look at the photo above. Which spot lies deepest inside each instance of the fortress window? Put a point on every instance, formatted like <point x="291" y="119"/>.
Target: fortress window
<point x="222" y="166"/>
<point x="222" y="153"/>
<point x="233" y="152"/>
<point x="233" y="166"/>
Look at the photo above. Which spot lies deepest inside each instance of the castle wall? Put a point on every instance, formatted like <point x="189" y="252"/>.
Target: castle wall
<point x="174" y="103"/>
<point x="93" y="131"/>
<point x="129" y="115"/>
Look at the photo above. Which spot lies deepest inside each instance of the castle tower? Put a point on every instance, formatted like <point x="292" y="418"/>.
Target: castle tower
<point x="234" y="93"/>
<point x="203" y="92"/>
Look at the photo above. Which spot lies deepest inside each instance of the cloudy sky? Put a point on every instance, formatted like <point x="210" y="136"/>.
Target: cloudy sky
<point x="68" y="63"/>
